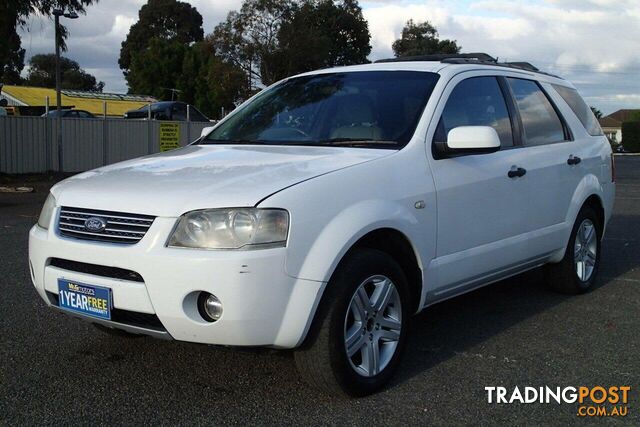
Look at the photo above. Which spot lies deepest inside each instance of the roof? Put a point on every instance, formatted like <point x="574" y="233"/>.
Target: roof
<point x="117" y="104"/>
<point x="623" y="115"/>
<point x="615" y="119"/>
<point x="446" y="69"/>
<point x="609" y="122"/>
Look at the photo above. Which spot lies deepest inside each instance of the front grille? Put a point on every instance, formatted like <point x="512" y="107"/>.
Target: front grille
<point x="126" y="317"/>
<point x="121" y="227"/>
<point x="96" y="270"/>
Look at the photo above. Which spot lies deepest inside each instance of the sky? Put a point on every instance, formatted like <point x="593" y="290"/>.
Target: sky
<point x="595" y="44"/>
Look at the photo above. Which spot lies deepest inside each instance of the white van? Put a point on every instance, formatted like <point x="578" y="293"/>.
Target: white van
<point x="331" y="207"/>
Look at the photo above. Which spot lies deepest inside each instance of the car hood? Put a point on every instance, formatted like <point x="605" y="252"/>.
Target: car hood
<point x="203" y="176"/>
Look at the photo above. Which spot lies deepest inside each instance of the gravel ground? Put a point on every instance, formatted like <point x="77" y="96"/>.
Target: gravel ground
<point x="59" y="370"/>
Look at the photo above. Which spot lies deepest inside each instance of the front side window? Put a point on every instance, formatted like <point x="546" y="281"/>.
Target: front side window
<point x="541" y="123"/>
<point x="477" y="101"/>
<point x="352" y="108"/>
<point x="580" y="109"/>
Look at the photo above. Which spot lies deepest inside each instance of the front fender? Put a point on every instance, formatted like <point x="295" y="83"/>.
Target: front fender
<point x="344" y="230"/>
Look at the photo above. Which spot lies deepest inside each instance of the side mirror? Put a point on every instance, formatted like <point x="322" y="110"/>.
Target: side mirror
<point x="205" y="131"/>
<point x="470" y="140"/>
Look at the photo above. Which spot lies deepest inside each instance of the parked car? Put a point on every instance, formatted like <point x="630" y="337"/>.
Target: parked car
<point x="328" y="209"/>
<point x="74" y="114"/>
<point x="167" y="110"/>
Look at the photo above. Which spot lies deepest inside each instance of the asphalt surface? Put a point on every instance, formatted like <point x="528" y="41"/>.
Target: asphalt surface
<point x="59" y="370"/>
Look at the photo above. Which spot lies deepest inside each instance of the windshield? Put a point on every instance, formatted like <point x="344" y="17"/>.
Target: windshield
<point x="355" y="108"/>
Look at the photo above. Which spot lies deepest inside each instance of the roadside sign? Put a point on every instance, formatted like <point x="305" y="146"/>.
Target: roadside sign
<point x="169" y="136"/>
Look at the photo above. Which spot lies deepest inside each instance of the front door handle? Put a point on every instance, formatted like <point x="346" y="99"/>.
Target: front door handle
<point x="573" y="160"/>
<point x="516" y="172"/>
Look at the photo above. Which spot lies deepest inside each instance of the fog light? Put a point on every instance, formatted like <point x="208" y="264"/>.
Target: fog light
<point x="209" y="306"/>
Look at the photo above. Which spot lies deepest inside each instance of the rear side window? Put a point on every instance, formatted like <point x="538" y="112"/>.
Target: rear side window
<point x="477" y="101"/>
<point x="580" y="108"/>
<point x="541" y="123"/>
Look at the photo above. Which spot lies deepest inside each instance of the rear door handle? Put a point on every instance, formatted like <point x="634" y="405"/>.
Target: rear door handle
<point x="573" y="160"/>
<point x="516" y="172"/>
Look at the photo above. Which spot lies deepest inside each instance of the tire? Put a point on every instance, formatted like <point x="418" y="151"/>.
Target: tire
<point x="567" y="276"/>
<point x="323" y="361"/>
<point x="116" y="332"/>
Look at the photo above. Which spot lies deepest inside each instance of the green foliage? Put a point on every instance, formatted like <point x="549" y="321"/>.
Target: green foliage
<point x="634" y="116"/>
<point x="631" y="136"/>
<point x="249" y="38"/>
<point x="42" y="73"/>
<point x="168" y="20"/>
<point x="14" y="13"/>
<point x="210" y="83"/>
<point x="11" y="53"/>
<point x="322" y="34"/>
<point x="157" y="68"/>
<point x="596" y="112"/>
<point x="422" y="39"/>
<point x="272" y="39"/>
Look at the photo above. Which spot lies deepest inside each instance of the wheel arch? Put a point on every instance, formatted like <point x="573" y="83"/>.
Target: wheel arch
<point x="398" y="246"/>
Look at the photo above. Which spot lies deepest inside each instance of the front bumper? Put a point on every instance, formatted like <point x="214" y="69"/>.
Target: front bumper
<point x="262" y="305"/>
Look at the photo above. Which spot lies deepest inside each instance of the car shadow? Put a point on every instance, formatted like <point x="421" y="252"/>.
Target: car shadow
<point x="457" y="325"/>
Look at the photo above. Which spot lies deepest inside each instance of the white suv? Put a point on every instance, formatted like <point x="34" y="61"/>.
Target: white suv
<point x="329" y="208"/>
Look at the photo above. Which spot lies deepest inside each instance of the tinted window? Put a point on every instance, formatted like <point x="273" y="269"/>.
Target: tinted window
<point x="477" y="101"/>
<point x="580" y="108"/>
<point x="539" y="119"/>
<point x="332" y="107"/>
<point x="196" y="116"/>
<point x="179" y="112"/>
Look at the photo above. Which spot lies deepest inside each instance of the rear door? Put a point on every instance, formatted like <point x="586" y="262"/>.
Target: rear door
<point x="482" y="213"/>
<point x="553" y="168"/>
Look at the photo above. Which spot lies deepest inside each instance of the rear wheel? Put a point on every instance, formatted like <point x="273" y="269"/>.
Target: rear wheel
<point x="577" y="271"/>
<point x="359" y="332"/>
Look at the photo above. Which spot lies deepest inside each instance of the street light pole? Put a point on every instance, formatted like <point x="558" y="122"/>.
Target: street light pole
<point x="57" y="13"/>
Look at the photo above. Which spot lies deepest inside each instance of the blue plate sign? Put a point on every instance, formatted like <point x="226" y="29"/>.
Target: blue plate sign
<point x="84" y="299"/>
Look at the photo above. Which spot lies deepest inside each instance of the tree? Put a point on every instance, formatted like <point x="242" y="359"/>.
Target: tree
<point x="167" y="20"/>
<point x="209" y="82"/>
<point x="14" y="13"/>
<point x="321" y="34"/>
<point x="422" y="39"/>
<point x="42" y="72"/>
<point x="596" y="112"/>
<point x="11" y="53"/>
<point x="248" y="38"/>
<point x="156" y="69"/>
<point x="272" y="39"/>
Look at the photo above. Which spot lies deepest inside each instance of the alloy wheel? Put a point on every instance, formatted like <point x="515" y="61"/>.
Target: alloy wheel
<point x="372" y="325"/>
<point x="585" y="250"/>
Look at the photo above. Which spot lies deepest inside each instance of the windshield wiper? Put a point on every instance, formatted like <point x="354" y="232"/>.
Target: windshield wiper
<point x="355" y="142"/>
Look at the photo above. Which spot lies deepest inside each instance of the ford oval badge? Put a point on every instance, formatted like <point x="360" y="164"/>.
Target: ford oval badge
<point x="95" y="224"/>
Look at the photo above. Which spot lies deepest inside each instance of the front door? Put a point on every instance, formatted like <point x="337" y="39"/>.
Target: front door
<point x="482" y="212"/>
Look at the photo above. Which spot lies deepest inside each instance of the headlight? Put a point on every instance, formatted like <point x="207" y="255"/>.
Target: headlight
<point x="231" y="229"/>
<point x="47" y="211"/>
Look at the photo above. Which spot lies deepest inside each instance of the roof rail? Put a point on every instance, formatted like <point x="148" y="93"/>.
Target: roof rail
<point x="523" y="65"/>
<point x="469" y="58"/>
<point x="443" y="57"/>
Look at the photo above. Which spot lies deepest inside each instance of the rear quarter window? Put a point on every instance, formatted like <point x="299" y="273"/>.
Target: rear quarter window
<point x="540" y="121"/>
<point x="580" y="109"/>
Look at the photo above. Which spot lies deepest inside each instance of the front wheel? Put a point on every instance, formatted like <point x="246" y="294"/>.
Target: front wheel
<point x="359" y="332"/>
<point x="577" y="271"/>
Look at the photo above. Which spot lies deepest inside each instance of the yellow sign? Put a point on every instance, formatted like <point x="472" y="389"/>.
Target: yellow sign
<point x="169" y="136"/>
